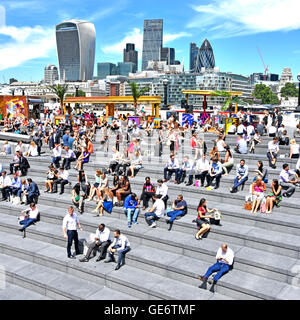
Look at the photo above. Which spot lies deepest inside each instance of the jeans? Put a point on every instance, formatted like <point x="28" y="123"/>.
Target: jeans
<point x="129" y="212"/>
<point x="67" y="163"/>
<point x="121" y="254"/>
<point x="221" y="267"/>
<point x="152" y="219"/>
<point x="27" y="222"/>
<point x="5" y="192"/>
<point x="210" y="179"/>
<point x="174" y="214"/>
<point x="72" y="235"/>
<point x="270" y="158"/>
<point x="182" y="174"/>
<point x="15" y="191"/>
<point x="56" y="160"/>
<point x="62" y="185"/>
<point x="168" y="173"/>
<point x="238" y="183"/>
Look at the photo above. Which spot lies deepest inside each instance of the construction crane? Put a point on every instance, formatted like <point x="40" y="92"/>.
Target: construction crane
<point x="265" y="67"/>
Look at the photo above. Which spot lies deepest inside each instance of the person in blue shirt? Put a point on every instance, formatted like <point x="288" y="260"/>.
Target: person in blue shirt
<point x="241" y="176"/>
<point x="131" y="209"/>
<point x="66" y="139"/>
<point x="15" y="185"/>
<point x="32" y="191"/>
<point x="71" y="140"/>
<point x="179" y="210"/>
<point x="214" y="172"/>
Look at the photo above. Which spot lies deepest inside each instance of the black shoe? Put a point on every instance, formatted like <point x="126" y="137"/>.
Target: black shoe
<point x="54" y="191"/>
<point x="71" y="257"/>
<point x="99" y="259"/>
<point x="117" y="267"/>
<point x="21" y="230"/>
<point x="170" y="226"/>
<point x="61" y="193"/>
<point x="189" y="184"/>
<point x="194" y="221"/>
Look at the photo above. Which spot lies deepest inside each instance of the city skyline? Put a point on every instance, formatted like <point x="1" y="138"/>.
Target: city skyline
<point x="27" y="35"/>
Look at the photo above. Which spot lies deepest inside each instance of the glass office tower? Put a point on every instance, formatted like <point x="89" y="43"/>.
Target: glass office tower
<point x="205" y="58"/>
<point x="130" y="54"/>
<point x="193" y="56"/>
<point x="152" y="41"/>
<point x="75" y="43"/>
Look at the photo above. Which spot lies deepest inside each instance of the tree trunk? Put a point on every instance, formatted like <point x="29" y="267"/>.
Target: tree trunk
<point x="135" y="107"/>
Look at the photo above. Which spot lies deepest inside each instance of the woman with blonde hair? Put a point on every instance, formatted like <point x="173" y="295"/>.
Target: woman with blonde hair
<point x="105" y="203"/>
<point x="32" y="150"/>
<point x="294" y="149"/>
<point x="258" y="188"/>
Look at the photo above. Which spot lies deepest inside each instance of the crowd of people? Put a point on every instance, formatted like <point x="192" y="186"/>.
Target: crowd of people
<point x="70" y="145"/>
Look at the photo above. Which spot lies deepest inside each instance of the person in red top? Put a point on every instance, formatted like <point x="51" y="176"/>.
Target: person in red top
<point x="202" y="219"/>
<point x="90" y="147"/>
<point x="147" y="193"/>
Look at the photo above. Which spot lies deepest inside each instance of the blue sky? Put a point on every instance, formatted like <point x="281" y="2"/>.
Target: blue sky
<point x="235" y="28"/>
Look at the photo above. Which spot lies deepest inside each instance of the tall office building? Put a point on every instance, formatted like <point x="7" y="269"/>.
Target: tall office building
<point x="130" y="54"/>
<point x="50" y="74"/>
<point x="124" y="68"/>
<point x="105" y="69"/>
<point x="168" y="55"/>
<point x="76" y="42"/>
<point x="152" y="41"/>
<point x="193" y="56"/>
<point x="205" y="58"/>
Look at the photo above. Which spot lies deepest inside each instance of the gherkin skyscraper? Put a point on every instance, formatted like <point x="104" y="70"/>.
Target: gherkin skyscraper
<point x="205" y="57"/>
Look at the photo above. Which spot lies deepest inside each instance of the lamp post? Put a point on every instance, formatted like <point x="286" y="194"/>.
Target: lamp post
<point x="165" y="83"/>
<point x="298" y="107"/>
<point x="76" y="95"/>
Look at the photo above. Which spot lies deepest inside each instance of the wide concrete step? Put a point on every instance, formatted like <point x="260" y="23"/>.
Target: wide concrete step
<point x="14" y="292"/>
<point x="95" y="281"/>
<point x="47" y="281"/>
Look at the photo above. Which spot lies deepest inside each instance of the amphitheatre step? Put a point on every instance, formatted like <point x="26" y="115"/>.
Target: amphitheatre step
<point x="133" y="282"/>
<point x="205" y="250"/>
<point x="14" y="292"/>
<point x="48" y="282"/>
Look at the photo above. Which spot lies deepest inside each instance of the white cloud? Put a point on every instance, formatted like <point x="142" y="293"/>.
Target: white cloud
<point x="224" y="18"/>
<point x="26" y="43"/>
<point x="136" y="36"/>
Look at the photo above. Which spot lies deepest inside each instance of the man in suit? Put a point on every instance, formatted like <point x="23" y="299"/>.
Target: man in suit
<point x="32" y="192"/>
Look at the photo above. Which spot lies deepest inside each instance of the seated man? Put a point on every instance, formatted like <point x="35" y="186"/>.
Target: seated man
<point x="201" y="169"/>
<point x="186" y="169"/>
<point x="56" y="155"/>
<point x="121" y="245"/>
<point x="31" y="191"/>
<point x="162" y="189"/>
<point x="171" y="167"/>
<point x="288" y="179"/>
<point x="156" y="212"/>
<point x="101" y="241"/>
<point x="131" y="209"/>
<point x="5" y="184"/>
<point x="224" y="258"/>
<point x="241" y="176"/>
<point x="214" y="172"/>
<point x="15" y="187"/>
<point x="62" y="179"/>
<point x="68" y="158"/>
<point x="273" y="150"/>
<point x="32" y="215"/>
<point x="24" y="165"/>
<point x="15" y="164"/>
<point x="241" y="146"/>
<point x="179" y="210"/>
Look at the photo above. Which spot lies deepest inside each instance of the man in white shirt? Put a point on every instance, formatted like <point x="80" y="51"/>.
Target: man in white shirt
<point x="156" y="212"/>
<point x="241" y="129"/>
<point x="101" y="241"/>
<point x="273" y="150"/>
<point x="31" y="216"/>
<point x="224" y="258"/>
<point x="214" y="172"/>
<point x="120" y="245"/>
<point x="288" y="179"/>
<point x="56" y="155"/>
<point x="5" y="184"/>
<point x="70" y="223"/>
<point x="68" y="158"/>
<point x="201" y="169"/>
<point x="63" y="179"/>
<point x="171" y="167"/>
<point x="162" y="189"/>
<point x="186" y="170"/>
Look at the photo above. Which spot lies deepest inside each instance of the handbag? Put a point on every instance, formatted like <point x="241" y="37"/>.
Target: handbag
<point x="248" y="205"/>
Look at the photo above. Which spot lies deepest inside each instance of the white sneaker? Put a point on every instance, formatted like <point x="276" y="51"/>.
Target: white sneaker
<point x="153" y="225"/>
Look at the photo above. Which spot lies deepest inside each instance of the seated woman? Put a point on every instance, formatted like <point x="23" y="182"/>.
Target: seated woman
<point x="6" y="149"/>
<point x="274" y="197"/>
<point x="114" y="160"/>
<point x="105" y="202"/>
<point x="103" y="184"/>
<point x="124" y="191"/>
<point x="294" y="149"/>
<point x="202" y="223"/>
<point x="261" y="172"/>
<point x="82" y="179"/>
<point x="147" y="193"/>
<point x="214" y="153"/>
<point x="228" y="162"/>
<point x="78" y="197"/>
<point x="256" y="140"/>
<point x="83" y="158"/>
<point x="32" y="150"/>
<point x="51" y="177"/>
<point x="124" y="162"/>
<point x="258" y="188"/>
<point x="95" y="185"/>
<point x="136" y="164"/>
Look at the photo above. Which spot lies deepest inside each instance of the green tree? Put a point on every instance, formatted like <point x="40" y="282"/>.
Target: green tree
<point x="80" y="94"/>
<point x="266" y="95"/>
<point x="137" y="92"/>
<point x="230" y="100"/>
<point x="289" y="90"/>
<point x="60" y="91"/>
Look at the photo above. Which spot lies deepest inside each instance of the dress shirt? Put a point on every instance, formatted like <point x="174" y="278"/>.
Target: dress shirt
<point x="57" y="152"/>
<point x="163" y="190"/>
<point x="243" y="147"/>
<point x="5" y="181"/>
<point x="188" y="165"/>
<point x="70" y="154"/>
<point x="216" y="167"/>
<point x="32" y="213"/>
<point x="122" y="241"/>
<point x="173" y="164"/>
<point x="64" y="175"/>
<point x="273" y="146"/>
<point x="242" y="171"/>
<point x="104" y="235"/>
<point x="202" y="165"/>
<point x="285" y="175"/>
<point x="70" y="222"/>
<point x="16" y="182"/>
<point x="228" y="255"/>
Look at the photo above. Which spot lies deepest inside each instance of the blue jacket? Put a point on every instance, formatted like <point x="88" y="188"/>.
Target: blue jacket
<point x="129" y="203"/>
